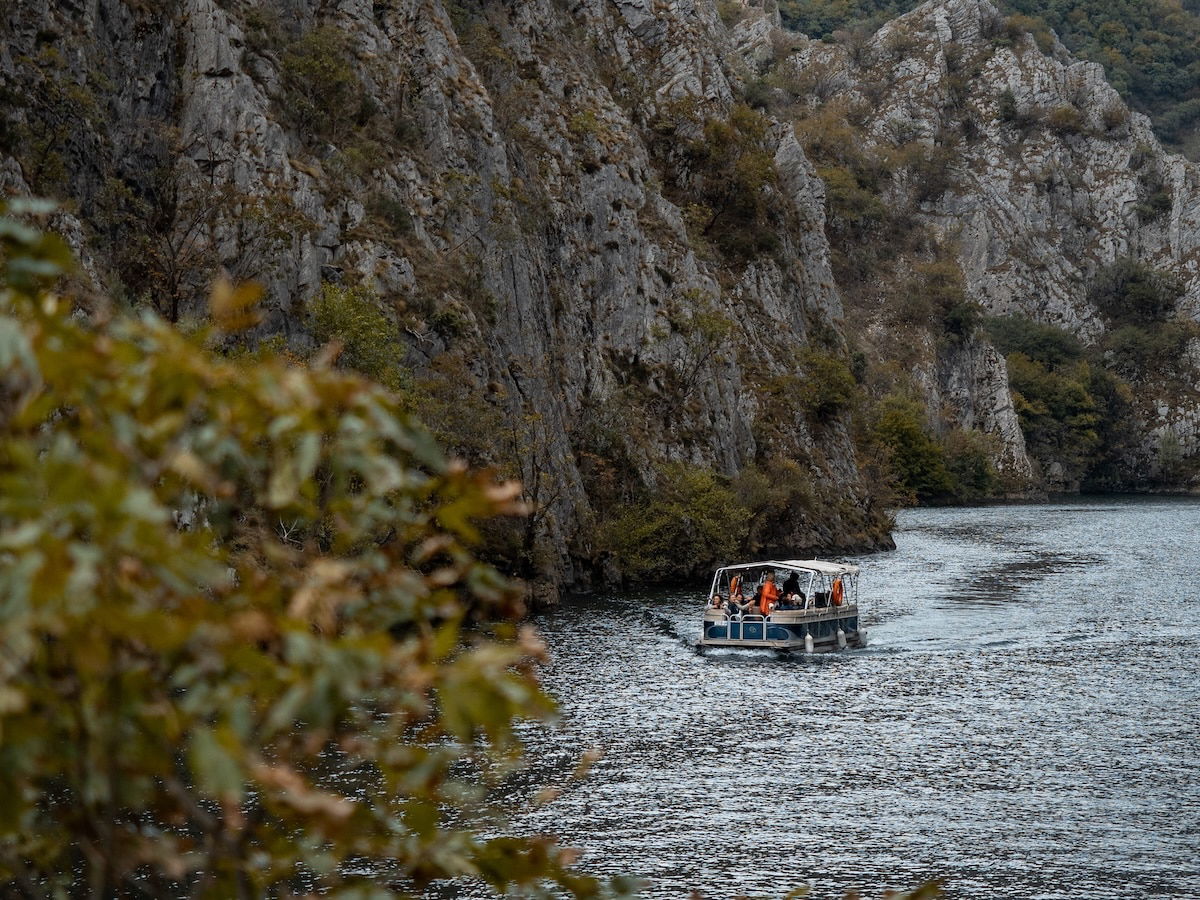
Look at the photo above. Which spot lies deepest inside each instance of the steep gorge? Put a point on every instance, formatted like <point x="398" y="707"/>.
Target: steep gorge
<point x="562" y="232"/>
<point x="485" y="175"/>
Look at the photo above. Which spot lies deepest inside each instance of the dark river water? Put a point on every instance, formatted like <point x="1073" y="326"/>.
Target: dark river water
<point x="1025" y="722"/>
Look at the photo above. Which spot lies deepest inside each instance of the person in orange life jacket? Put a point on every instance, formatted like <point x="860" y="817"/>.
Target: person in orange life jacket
<point x="768" y="596"/>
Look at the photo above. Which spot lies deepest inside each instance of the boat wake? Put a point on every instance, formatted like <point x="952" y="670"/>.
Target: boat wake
<point x="668" y="629"/>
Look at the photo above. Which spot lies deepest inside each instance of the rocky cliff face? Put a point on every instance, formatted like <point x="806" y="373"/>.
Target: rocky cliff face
<point x="504" y="177"/>
<point x="1051" y="179"/>
<point x="594" y="259"/>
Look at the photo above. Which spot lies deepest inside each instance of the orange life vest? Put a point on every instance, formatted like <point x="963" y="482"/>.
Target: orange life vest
<point x="770" y="594"/>
<point x="839" y="592"/>
<point x="735" y="586"/>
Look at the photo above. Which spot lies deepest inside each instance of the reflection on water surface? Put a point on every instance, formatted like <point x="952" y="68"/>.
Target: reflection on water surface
<point x="1025" y="723"/>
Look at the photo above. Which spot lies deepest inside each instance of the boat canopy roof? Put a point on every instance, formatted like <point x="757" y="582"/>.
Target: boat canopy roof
<point x="820" y="566"/>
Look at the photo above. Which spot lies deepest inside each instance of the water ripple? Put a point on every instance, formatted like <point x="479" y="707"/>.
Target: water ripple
<point x="1024" y="724"/>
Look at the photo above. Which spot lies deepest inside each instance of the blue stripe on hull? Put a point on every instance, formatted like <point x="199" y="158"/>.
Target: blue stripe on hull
<point x="753" y="631"/>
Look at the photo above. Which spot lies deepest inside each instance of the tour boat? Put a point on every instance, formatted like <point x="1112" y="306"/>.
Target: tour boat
<point x="815" y="606"/>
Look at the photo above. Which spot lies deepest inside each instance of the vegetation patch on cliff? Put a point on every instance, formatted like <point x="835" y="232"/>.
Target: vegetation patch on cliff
<point x="1076" y="415"/>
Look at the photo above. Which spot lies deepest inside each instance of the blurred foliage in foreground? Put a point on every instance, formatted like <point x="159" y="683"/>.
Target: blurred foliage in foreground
<point x="241" y="639"/>
<point x="243" y="649"/>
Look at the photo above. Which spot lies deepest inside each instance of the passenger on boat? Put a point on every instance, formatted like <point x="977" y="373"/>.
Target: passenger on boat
<point x="793" y="598"/>
<point x="738" y="606"/>
<point x="792" y="601"/>
<point x="769" y="595"/>
<point x="735" y="597"/>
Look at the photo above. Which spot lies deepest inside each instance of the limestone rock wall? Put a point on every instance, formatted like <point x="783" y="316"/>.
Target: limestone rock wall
<point x="1051" y="179"/>
<point x="561" y="276"/>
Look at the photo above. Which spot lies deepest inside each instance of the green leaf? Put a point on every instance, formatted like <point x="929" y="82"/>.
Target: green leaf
<point x="21" y="234"/>
<point x="214" y="765"/>
<point x="32" y="206"/>
<point x="140" y="503"/>
<point x="15" y="349"/>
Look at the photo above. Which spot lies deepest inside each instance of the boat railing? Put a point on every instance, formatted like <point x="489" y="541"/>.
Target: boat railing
<point x="827" y="611"/>
<point x="744" y="619"/>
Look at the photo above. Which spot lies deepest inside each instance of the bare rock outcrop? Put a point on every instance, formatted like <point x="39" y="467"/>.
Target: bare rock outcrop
<point x="514" y="218"/>
<point x="1049" y="179"/>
